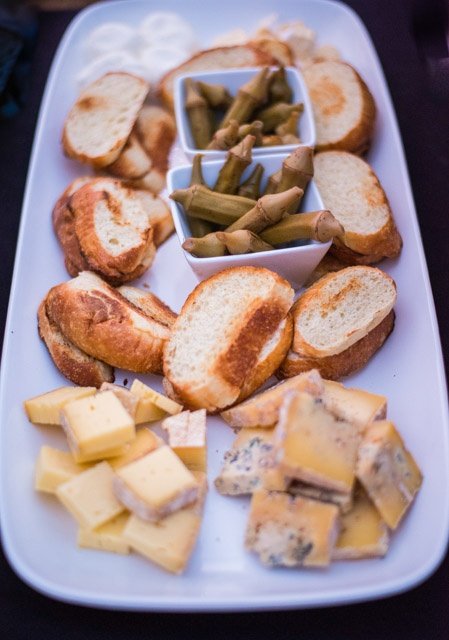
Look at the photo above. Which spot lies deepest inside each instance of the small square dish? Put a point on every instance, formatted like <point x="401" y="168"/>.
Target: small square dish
<point x="295" y="263"/>
<point x="232" y="80"/>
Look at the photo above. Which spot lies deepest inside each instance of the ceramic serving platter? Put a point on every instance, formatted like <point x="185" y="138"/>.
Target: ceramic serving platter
<point x="39" y="537"/>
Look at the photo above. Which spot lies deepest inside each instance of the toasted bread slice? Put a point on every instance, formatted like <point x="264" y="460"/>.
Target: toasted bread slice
<point x="159" y="214"/>
<point x="246" y="55"/>
<point x="133" y="161"/>
<point x="150" y="304"/>
<point x="73" y="363"/>
<point x="343" y="106"/>
<point x="113" y="230"/>
<point x="351" y="190"/>
<point x="101" y="322"/>
<point x="329" y="264"/>
<point x="153" y="181"/>
<point x="279" y="50"/>
<point x="344" y="363"/>
<point x="100" y="122"/>
<point x="220" y="332"/>
<point x="156" y="130"/>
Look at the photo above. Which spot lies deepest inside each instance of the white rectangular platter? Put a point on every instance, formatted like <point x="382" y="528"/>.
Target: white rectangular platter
<point x="40" y="538"/>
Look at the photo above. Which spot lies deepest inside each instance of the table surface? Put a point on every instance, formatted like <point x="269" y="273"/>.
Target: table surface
<point x="404" y="38"/>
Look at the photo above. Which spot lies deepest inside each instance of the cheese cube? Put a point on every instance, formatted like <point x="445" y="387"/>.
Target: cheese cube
<point x="144" y="442"/>
<point x="187" y="437"/>
<point x="128" y="399"/>
<point x="155" y="485"/>
<point x="363" y="533"/>
<point x="152" y="405"/>
<point x="353" y="405"/>
<point x="168" y="543"/>
<point x="108" y="537"/>
<point x="46" y="408"/>
<point x="291" y="531"/>
<point x="343" y="500"/>
<point x="98" y="456"/>
<point x="54" y="467"/>
<point x="315" y="447"/>
<point x="388" y="471"/>
<point x="89" y="496"/>
<point x="97" y="424"/>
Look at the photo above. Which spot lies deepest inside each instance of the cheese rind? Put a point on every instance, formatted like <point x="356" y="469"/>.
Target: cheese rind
<point x="291" y="531"/>
<point x="152" y="406"/>
<point x="108" y="537"/>
<point x="97" y="424"/>
<point x="353" y="405"/>
<point x="54" y="467"/>
<point x="387" y="471"/>
<point x="187" y="437"/>
<point x="155" y="485"/>
<point x="144" y="442"/>
<point x="46" y="408"/>
<point x="89" y="496"/>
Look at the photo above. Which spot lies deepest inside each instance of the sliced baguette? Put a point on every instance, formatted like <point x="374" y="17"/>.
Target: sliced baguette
<point x="151" y="305"/>
<point x="351" y="190"/>
<point x="99" y="123"/>
<point x="133" y="161"/>
<point x="222" y="328"/>
<point x="343" y="106"/>
<point x="156" y="130"/>
<point x="153" y="181"/>
<point x="159" y="214"/>
<point x="76" y="365"/>
<point x="246" y="55"/>
<point x="101" y="322"/>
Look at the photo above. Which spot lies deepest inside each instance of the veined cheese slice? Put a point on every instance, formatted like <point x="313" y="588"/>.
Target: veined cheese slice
<point x="46" y="408"/>
<point x="387" y="471"/>
<point x="89" y="496"/>
<point x="97" y="423"/>
<point x="108" y="537"/>
<point x="314" y="446"/>
<point x="152" y="405"/>
<point x="343" y="500"/>
<point x="187" y="437"/>
<point x="53" y="467"/>
<point x="291" y="531"/>
<point x="168" y="543"/>
<point x="155" y="485"/>
<point x="144" y="442"/>
<point x="363" y="533"/>
<point x="353" y="405"/>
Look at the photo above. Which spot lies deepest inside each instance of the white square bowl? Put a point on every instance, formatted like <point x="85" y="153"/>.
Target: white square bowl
<point x="233" y="79"/>
<point x="295" y="263"/>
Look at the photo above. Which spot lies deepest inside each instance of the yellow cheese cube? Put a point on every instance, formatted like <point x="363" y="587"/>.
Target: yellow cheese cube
<point x="155" y="485"/>
<point x="144" y="442"/>
<point x="388" y="471"/>
<point x="152" y="405"/>
<point x="98" y="456"/>
<point x="315" y="447"/>
<point x="291" y="531"/>
<point x="128" y="399"/>
<point x="353" y="405"/>
<point x="46" y="408"/>
<point x="344" y="501"/>
<point x="54" y="467"/>
<point x="108" y="537"/>
<point x="89" y="496"/>
<point x="187" y="437"/>
<point x="97" y="424"/>
<point x="363" y="533"/>
<point x="168" y="543"/>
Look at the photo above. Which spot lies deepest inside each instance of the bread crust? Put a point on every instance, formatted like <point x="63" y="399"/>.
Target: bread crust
<point x="133" y="162"/>
<point x="344" y="363"/>
<point x="149" y="304"/>
<point x="155" y="128"/>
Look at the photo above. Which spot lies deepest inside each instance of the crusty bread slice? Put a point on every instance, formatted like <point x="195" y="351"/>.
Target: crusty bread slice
<point x="133" y="161"/>
<point x="262" y="410"/>
<point x="73" y="363"/>
<point x="351" y="190"/>
<point x="99" y="123"/>
<point x="246" y="55"/>
<point x="101" y="322"/>
<point x="113" y="230"/>
<point x="153" y="181"/>
<point x="156" y="129"/>
<point x="151" y="305"/>
<point x="344" y="363"/>
<point x="159" y="214"/>
<point x="278" y="49"/>
<point x="328" y="264"/>
<point x="343" y="106"/>
<point x="340" y="309"/>
<point x="222" y="328"/>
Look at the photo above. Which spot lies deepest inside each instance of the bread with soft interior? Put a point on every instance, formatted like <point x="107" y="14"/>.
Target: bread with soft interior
<point x="76" y="365"/>
<point x="100" y="321"/>
<point x="155" y="128"/>
<point x="220" y="332"/>
<point x="133" y="161"/>
<point x="245" y="55"/>
<point x="150" y="304"/>
<point x="101" y="120"/>
<point x="159" y="215"/>
<point x="351" y="190"/>
<point x="343" y="107"/>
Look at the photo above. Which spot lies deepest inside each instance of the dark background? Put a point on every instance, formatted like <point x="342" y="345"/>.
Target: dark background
<point x="410" y="39"/>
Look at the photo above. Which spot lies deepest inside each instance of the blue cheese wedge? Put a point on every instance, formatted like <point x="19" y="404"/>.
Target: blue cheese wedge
<point x="291" y="531"/>
<point x="46" y="408"/>
<point x="387" y="471"/>
<point x="353" y="405"/>
<point x="187" y="437"/>
<point x="53" y="467"/>
<point x="155" y="485"/>
<point x="107" y="537"/>
<point x="344" y="501"/>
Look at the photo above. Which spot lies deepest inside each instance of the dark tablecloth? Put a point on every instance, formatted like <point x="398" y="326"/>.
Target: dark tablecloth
<point x="405" y="33"/>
